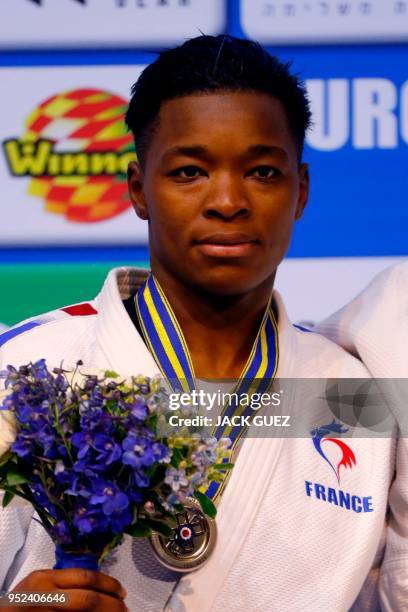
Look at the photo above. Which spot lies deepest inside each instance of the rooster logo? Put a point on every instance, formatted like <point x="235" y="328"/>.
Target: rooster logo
<point x="321" y="437"/>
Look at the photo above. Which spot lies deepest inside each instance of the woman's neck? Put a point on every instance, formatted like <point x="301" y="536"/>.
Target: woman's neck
<point x="219" y="330"/>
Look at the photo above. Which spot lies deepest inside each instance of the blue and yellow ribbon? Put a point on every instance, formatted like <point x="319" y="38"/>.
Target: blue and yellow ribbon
<point x="167" y="344"/>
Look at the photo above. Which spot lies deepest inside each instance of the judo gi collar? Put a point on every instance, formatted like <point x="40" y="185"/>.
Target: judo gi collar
<point x="125" y="350"/>
<point x="168" y="346"/>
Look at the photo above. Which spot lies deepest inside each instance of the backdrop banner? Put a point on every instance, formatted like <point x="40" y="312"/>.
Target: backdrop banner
<point x="119" y="23"/>
<point x="65" y="152"/>
<point x="327" y="21"/>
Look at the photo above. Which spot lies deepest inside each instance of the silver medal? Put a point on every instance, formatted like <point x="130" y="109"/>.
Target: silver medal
<point x="192" y="542"/>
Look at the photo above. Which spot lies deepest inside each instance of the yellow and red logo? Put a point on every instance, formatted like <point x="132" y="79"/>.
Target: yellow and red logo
<point x="76" y="150"/>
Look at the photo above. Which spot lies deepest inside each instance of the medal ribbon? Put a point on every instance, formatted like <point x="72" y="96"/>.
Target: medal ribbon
<point x="166" y="342"/>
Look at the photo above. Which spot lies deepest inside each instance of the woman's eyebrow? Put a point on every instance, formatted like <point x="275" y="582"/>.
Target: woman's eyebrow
<point x="202" y="152"/>
<point x="265" y="149"/>
<point x="188" y="151"/>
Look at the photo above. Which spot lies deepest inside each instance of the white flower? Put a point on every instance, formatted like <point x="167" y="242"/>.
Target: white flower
<point x="8" y="427"/>
<point x="7" y="430"/>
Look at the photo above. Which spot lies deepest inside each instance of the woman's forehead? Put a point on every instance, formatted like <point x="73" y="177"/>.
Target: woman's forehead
<point x="240" y="119"/>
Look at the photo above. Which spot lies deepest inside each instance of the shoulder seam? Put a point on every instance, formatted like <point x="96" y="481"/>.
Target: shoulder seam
<point x="31" y="324"/>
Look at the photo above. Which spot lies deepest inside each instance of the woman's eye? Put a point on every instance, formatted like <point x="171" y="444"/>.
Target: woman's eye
<point x="265" y="172"/>
<point x="188" y="172"/>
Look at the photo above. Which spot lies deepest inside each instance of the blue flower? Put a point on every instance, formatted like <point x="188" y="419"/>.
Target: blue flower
<point x="108" y="450"/>
<point x="93" y="454"/>
<point x="108" y="500"/>
<point x="198" y="479"/>
<point x="161" y="452"/>
<point x="89" y="520"/>
<point x="173" y="499"/>
<point x="23" y="446"/>
<point x="139" y="479"/>
<point x="206" y="454"/>
<point x="176" y="478"/>
<point x="90" y="470"/>
<point x="138" y="410"/>
<point x="82" y="440"/>
<point x="120" y="520"/>
<point x="95" y="398"/>
<point x="138" y="451"/>
<point x="39" y="370"/>
<point x="45" y="437"/>
<point x="76" y="487"/>
<point x="32" y="415"/>
<point x="61" y="532"/>
<point x="109" y="495"/>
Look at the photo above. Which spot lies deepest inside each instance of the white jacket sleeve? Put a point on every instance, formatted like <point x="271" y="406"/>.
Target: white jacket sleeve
<point x="374" y="327"/>
<point x="393" y="586"/>
<point x="14" y="524"/>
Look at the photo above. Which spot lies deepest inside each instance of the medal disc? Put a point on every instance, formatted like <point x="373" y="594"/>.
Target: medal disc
<point x="192" y="542"/>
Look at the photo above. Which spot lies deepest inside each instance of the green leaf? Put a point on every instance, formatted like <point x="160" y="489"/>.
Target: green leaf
<point x="157" y="476"/>
<point x="223" y="466"/>
<point x="15" y="478"/>
<point x="163" y="528"/>
<point x="139" y="530"/>
<point x="217" y="476"/>
<point x="111" y="374"/>
<point x="110" y="546"/>
<point x="5" y="458"/>
<point x="206" y="504"/>
<point x="176" y="457"/>
<point x="153" y="422"/>
<point x="8" y="496"/>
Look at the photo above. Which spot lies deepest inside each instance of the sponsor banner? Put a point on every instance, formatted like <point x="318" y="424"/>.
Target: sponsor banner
<point x="64" y="156"/>
<point x="64" y="152"/>
<point x="357" y="151"/>
<point x="325" y="21"/>
<point x="119" y="23"/>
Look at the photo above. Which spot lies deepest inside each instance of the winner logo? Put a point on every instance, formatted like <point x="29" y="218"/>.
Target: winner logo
<point x="76" y="149"/>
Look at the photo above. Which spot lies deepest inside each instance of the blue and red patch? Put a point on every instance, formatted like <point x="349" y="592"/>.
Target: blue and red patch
<point x="322" y="437"/>
<point x="76" y="310"/>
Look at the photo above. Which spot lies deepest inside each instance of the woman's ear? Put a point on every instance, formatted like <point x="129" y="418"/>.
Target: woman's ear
<point x="303" y="190"/>
<point x="135" y="187"/>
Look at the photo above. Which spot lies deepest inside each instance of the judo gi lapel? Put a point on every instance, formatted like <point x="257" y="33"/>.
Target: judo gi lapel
<point x="115" y="333"/>
<point x="238" y="507"/>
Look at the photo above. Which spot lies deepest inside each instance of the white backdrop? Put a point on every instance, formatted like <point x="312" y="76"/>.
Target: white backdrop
<point x="119" y="23"/>
<point x="325" y="21"/>
<point x="314" y="288"/>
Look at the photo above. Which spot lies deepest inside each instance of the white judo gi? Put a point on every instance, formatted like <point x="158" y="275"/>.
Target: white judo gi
<point x="374" y="327"/>
<point x="283" y="545"/>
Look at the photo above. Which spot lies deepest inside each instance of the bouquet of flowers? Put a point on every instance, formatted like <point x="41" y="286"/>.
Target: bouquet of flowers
<point x="86" y="451"/>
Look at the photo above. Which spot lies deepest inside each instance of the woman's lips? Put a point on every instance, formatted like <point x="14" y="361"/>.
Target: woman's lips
<point x="227" y="245"/>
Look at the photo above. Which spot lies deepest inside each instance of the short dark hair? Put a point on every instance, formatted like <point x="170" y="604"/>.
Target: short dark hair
<point x="214" y="63"/>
